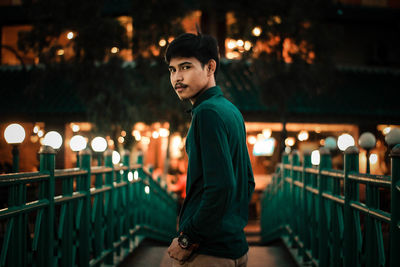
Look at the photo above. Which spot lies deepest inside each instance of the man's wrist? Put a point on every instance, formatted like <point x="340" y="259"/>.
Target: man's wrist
<point x="185" y="242"/>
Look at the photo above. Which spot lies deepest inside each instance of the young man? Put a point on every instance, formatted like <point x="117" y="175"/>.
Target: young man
<point x="220" y="179"/>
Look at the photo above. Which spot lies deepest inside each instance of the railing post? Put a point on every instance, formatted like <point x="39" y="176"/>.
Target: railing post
<point x="47" y="164"/>
<point x="127" y="211"/>
<point x="109" y="214"/>
<point x="306" y="200"/>
<point x="350" y="250"/>
<point x="85" y="157"/>
<point x="296" y="212"/>
<point x="286" y="189"/>
<point x="395" y="208"/>
<point x="323" y="237"/>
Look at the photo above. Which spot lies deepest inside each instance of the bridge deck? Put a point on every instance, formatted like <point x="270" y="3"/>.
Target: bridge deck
<point x="151" y="253"/>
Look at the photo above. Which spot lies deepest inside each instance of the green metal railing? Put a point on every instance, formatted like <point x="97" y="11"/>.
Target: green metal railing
<point x="84" y="216"/>
<point x="324" y="217"/>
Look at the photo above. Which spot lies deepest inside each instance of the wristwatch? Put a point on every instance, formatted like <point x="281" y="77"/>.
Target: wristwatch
<point x="185" y="242"/>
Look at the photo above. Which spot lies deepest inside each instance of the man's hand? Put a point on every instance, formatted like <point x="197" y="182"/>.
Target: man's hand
<point x="176" y="252"/>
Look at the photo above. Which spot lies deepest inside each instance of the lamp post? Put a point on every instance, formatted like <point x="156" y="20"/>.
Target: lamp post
<point x="367" y="141"/>
<point x="14" y="135"/>
<point x="77" y="144"/>
<point x="99" y="145"/>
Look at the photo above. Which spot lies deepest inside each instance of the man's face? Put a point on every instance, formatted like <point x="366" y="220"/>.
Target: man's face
<point x="188" y="77"/>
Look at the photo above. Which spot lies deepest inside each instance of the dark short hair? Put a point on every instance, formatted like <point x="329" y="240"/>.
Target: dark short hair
<point x="201" y="46"/>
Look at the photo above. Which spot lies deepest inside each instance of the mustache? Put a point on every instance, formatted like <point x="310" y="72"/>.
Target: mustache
<point x="180" y="85"/>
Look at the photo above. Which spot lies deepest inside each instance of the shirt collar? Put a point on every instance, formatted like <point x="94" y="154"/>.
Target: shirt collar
<point x="210" y="92"/>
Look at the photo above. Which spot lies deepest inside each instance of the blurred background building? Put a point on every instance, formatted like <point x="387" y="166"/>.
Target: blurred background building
<point x="298" y="74"/>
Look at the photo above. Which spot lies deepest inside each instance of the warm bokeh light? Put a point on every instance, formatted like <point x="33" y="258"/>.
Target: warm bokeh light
<point x="145" y="140"/>
<point x="386" y="130"/>
<point x="110" y="142"/>
<point x="231" y="44"/>
<point x="315" y="157"/>
<point x="252" y="140"/>
<point x="290" y="141"/>
<point x="114" y="50"/>
<point x="14" y="134"/>
<point x="70" y="35"/>
<point x="240" y="42"/>
<point x="75" y="128"/>
<point x="53" y="139"/>
<point x="36" y="129"/>
<point x="155" y="135"/>
<point x="267" y="133"/>
<point x="303" y="136"/>
<point x="60" y="52"/>
<point x="99" y="144"/>
<point x="162" y="43"/>
<point x="77" y="143"/>
<point x="116" y="157"/>
<point x="123" y="133"/>
<point x="232" y="55"/>
<point x="345" y="141"/>
<point x="40" y="133"/>
<point x="264" y="147"/>
<point x="163" y="132"/>
<point x="256" y="31"/>
<point x="121" y="140"/>
<point x="137" y="135"/>
<point x="373" y="158"/>
<point x="247" y="45"/>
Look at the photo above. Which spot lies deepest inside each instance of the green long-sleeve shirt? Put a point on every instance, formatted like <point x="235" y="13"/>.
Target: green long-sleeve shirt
<point x="220" y="179"/>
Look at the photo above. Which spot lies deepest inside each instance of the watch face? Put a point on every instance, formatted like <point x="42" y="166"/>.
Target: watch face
<point x="183" y="241"/>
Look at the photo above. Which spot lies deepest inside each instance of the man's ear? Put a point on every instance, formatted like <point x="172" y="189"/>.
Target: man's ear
<point x="211" y="66"/>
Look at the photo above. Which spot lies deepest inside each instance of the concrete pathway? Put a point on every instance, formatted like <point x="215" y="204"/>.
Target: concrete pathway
<point x="154" y="254"/>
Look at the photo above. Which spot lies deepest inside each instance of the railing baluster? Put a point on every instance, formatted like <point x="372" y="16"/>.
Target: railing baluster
<point x="85" y="157"/>
<point x="83" y="235"/>
<point x="395" y="208"/>
<point x="325" y="163"/>
<point x="109" y="215"/>
<point x="350" y="193"/>
<point x="47" y="163"/>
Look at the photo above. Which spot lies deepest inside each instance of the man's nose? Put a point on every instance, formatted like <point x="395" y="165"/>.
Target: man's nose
<point x="178" y="76"/>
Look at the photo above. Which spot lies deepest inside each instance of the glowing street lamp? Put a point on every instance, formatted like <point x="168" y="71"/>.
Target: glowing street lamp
<point x="99" y="145"/>
<point x="15" y="135"/>
<point x="393" y="137"/>
<point x="77" y="144"/>
<point x="330" y="143"/>
<point x="367" y="141"/>
<point x="344" y="141"/>
<point x="53" y="139"/>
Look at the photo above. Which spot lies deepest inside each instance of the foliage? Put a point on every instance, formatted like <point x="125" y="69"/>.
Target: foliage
<point x="115" y="94"/>
<point x="297" y="54"/>
<point x="95" y="34"/>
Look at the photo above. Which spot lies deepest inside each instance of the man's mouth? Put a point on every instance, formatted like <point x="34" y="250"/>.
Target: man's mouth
<point x="180" y="87"/>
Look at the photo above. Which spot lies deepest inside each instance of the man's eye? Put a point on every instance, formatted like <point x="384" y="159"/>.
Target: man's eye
<point x="171" y="70"/>
<point x="186" y="67"/>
